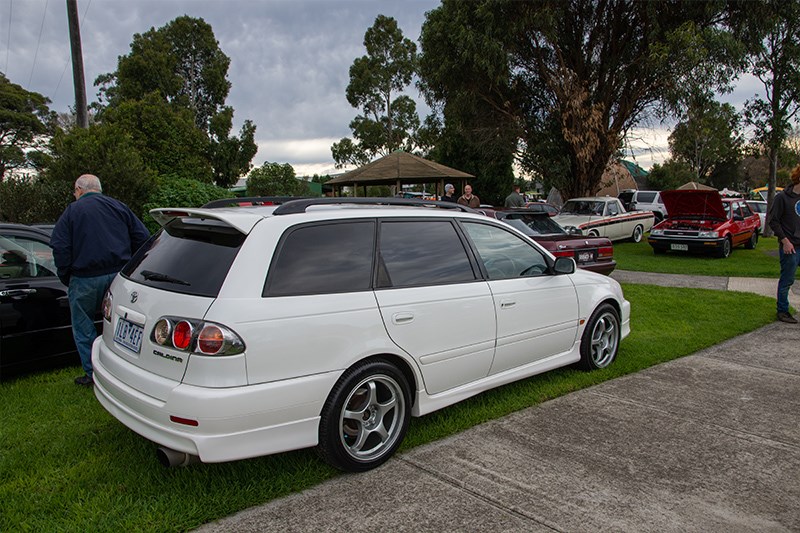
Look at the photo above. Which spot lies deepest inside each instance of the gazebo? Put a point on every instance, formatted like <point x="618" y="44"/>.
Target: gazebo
<point x="396" y="169"/>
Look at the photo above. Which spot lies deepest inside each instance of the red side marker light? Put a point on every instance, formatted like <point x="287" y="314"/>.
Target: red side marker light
<point x="181" y="420"/>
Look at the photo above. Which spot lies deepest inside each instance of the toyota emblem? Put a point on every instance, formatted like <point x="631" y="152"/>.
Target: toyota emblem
<point x="134" y="297"/>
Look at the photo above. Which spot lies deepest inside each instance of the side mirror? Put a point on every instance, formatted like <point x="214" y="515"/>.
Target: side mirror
<point x="564" y="265"/>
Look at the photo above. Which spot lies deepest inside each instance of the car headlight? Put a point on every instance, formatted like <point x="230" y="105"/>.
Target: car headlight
<point x="656" y="232"/>
<point x="708" y="234"/>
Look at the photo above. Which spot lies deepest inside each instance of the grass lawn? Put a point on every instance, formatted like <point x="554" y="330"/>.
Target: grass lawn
<point x="761" y="262"/>
<point x="67" y="465"/>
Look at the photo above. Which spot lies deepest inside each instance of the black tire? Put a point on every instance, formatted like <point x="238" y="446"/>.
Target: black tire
<point x="593" y="233"/>
<point x="365" y="417"/>
<point x="638" y="233"/>
<point x="753" y="241"/>
<point x="727" y="247"/>
<point x="600" y="340"/>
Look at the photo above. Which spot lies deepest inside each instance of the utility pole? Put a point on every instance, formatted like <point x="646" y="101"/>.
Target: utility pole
<point x="77" y="64"/>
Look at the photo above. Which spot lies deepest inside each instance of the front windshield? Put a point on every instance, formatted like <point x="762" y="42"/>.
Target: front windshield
<point x="533" y="225"/>
<point x="583" y="207"/>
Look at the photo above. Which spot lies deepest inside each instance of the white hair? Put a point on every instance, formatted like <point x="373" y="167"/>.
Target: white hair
<point x="89" y="182"/>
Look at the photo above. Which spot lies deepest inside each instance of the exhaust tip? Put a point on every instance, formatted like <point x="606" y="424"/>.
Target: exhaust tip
<point x="170" y="458"/>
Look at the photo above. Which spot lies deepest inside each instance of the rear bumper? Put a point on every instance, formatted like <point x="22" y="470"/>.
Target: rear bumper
<point x="693" y="245"/>
<point x="605" y="268"/>
<point x="232" y="423"/>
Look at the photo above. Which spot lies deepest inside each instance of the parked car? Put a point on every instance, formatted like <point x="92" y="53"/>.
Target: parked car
<point x="701" y="221"/>
<point x="760" y="208"/>
<point x="590" y="253"/>
<point x="636" y="200"/>
<point x="35" y="326"/>
<point x="604" y="216"/>
<point x="541" y="207"/>
<point x="330" y="322"/>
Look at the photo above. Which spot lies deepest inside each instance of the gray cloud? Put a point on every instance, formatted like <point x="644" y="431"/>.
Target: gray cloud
<point x="289" y="59"/>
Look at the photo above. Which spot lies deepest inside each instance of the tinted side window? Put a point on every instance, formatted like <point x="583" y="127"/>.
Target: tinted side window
<point x="504" y="254"/>
<point x="21" y="257"/>
<point x="323" y="259"/>
<point x="646" y="197"/>
<point x="422" y="252"/>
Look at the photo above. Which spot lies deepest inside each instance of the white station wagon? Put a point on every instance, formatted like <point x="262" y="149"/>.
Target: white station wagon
<point x="237" y="332"/>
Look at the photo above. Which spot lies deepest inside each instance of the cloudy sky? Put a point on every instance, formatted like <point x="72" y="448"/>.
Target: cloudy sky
<point x="289" y="61"/>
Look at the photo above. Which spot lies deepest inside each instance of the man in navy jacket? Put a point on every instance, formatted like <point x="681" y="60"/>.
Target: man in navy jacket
<point x="92" y="240"/>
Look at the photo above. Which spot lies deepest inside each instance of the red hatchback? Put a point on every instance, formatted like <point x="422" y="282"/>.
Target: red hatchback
<point x="590" y="253"/>
<point x="702" y="221"/>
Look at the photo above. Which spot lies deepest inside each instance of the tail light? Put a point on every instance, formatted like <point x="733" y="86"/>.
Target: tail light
<point x="108" y="305"/>
<point x="563" y="253"/>
<point x="196" y="336"/>
<point x="605" y="251"/>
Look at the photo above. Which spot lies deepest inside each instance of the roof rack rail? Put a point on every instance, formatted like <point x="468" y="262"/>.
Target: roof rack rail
<point x="300" y="206"/>
<point x="252" y="200"/>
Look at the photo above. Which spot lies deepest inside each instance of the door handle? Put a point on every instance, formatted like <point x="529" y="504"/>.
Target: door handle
<point x="17" y="292"/>
<point x="402" y="318"/>
<point x="506" y="304"/>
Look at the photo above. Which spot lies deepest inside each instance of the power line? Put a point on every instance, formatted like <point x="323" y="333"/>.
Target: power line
<point x="41" y="30"/>
<point x="8" y="41"/>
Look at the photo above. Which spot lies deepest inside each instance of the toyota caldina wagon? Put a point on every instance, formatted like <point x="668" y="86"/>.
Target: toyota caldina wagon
<point x="244" y="331"/>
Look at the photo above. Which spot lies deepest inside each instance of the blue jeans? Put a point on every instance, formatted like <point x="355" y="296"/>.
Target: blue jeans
<point x="85" y="299"/>
<point x="789" y="264"/>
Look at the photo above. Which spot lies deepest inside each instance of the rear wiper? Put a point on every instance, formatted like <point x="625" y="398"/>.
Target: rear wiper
<point x="157" y="276"/>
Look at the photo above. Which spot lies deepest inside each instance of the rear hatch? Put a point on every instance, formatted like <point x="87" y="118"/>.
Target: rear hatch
<point x="177" y="273"/>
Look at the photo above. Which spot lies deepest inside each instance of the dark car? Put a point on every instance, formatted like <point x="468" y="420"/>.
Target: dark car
<point x="541" y="207"/>
<point x="35" y="327"/>
<point x="590" y="253"/>
<point x="703" y="222"/>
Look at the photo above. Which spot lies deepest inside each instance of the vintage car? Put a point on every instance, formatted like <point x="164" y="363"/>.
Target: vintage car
<point x="604" y="217"/>
<point x="590" y="253"/>
<point x="702" y="221"/>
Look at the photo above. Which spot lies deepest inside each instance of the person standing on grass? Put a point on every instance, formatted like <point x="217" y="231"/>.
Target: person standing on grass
<point x="92" y="240"/>
<point x="784" y="220"/>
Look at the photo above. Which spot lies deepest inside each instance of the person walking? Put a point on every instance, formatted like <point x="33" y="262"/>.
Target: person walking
<point x="92" y="240"/>
<point x="469" y="199"/>
<point x="449" y="193"/>
<point x="784" y="220"/>
<point x="515" y="199"/>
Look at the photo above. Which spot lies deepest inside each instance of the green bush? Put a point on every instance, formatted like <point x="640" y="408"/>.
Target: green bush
<point x="30" y="201"/>
<point x="275" y="179"/>
<point x="180" y="192"/>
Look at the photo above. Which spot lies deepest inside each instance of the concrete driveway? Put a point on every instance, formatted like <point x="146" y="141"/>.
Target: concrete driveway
<point x="709" y="442"/>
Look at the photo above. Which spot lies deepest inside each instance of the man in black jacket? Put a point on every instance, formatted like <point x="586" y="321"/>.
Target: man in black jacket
<point x="784" y="220"/>
<point x="92" y="240"/>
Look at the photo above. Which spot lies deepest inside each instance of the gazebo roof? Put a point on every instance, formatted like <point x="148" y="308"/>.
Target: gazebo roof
<point x="400" y="166"/>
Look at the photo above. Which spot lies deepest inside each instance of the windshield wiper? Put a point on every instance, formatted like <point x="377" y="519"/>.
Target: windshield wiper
<point x="157" y="276"/>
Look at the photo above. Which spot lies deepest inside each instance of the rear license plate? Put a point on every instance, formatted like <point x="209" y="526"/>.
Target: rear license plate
<point x="129" y="335"/>
<point x="679" y="247"/>
<point x="585" y="257"/>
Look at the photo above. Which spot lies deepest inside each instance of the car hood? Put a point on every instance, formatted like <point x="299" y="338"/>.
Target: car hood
<point x="706" y="204"/>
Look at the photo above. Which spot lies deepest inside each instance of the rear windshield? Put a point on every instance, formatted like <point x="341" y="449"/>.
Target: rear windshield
<point x="532" y="225"/>
<point x="188" y="255"/>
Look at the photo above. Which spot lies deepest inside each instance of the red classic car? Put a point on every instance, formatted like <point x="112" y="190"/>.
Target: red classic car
<point x="590" y="253"/>
<point x="702" y="221"/>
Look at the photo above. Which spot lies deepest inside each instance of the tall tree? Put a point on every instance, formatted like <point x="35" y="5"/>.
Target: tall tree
<point x="389" y="121"/>
<point x="573" y="75"/>
<point x="777" y="64"/>
<point x="25" y="123"/>
<point x="275" y="179"/>
<point x="183" y="64"/>
<point x="709" y="141"/>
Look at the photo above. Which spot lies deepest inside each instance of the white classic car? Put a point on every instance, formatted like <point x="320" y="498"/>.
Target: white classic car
<point x="604" y="217"/>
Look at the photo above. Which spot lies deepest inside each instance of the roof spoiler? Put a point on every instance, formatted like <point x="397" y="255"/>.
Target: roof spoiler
<point x="300" y="205"/>
<point x="252" y="200"/>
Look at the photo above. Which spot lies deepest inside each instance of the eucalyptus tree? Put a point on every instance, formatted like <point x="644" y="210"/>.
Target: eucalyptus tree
<point x="568" y="78"/>
<point x="388" y="119"/>
<point x="776" y="64"/>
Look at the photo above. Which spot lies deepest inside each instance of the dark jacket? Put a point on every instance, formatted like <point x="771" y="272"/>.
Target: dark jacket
<point x="95" y="235"/>
<point x="446" y="198"/>
<point x="784" y="217"/>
